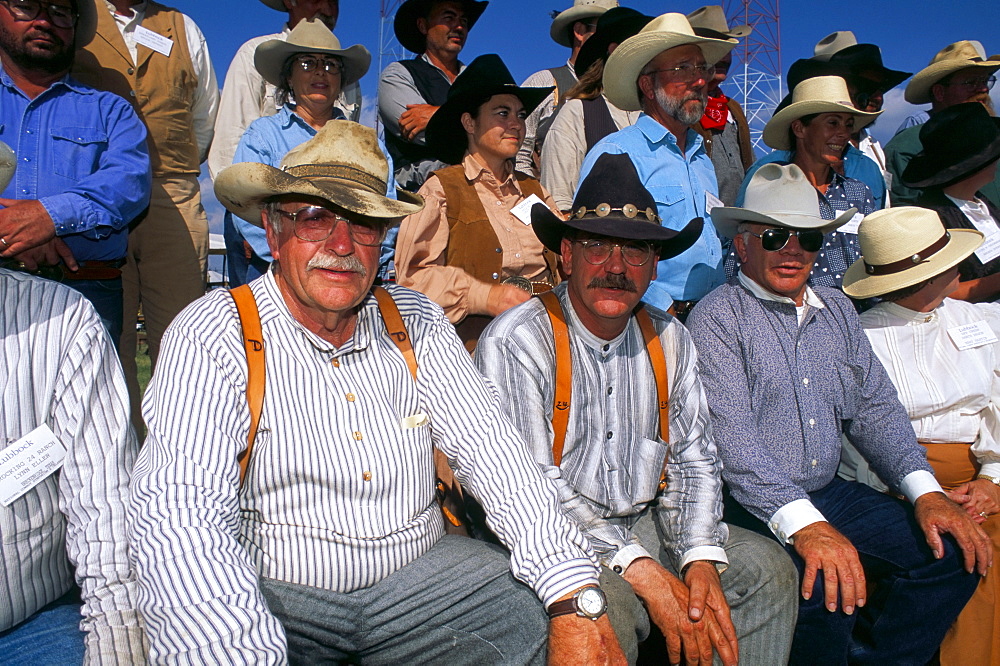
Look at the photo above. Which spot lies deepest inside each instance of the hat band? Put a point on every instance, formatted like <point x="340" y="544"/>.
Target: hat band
<point x="909" y="262"/>
<point x="631" y="211"/>
<point x="340" y="172"/>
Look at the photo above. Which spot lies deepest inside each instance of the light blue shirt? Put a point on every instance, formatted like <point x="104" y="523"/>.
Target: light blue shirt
<point x="679" y="183"/>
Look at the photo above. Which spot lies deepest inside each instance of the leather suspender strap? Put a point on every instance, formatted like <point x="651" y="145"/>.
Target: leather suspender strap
<point x="253" y="344"/>
<point x="564" y="374"/>
<point x="654" y="350"/>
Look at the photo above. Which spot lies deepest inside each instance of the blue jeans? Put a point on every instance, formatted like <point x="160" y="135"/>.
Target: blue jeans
<point x="50" y="636"/>
<point x="106" y="297"/>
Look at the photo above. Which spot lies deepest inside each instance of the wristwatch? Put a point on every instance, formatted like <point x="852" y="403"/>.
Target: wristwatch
<point x="588" y="602"/>
<point x="992" y="479"/>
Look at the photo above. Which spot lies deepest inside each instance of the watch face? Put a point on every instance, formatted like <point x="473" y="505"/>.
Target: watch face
<point x="591" y="602"/>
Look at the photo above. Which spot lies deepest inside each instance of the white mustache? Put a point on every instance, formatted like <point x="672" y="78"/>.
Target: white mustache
<point x="333" y="262"/>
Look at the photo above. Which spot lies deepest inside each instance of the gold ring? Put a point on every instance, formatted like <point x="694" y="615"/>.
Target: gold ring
<point x="983" y="514"/>
<point x="4" y="241"/>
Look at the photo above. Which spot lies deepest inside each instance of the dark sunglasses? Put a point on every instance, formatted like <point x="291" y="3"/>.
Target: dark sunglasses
<point x="772" y="240"/>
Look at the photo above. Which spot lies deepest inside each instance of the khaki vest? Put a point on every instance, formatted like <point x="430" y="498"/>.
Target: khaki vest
<point x="160" y="88"/>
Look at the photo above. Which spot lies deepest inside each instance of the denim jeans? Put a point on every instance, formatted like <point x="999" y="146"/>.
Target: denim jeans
<point x="106" y="297"/>
<point x="50" y="636"/>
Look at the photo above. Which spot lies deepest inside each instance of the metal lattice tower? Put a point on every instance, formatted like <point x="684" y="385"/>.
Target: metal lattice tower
<point x="757" y="72"/>
<point x="389" y="48"/>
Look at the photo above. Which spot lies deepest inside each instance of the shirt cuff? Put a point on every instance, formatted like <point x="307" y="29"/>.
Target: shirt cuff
<point x="919" y="483"/>
<point x="991" y="469"/>
<point x="479" y="296"/>
<point x="792" y="517"/>
<point x="625" y="556"/>
<point x="66" y="210"/>
<point x="714" y="554"/>
<point x="564" y="578"/>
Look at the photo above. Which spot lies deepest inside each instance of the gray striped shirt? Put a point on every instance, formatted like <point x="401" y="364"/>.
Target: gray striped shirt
<point x="58" y="368"/>
<point x="339" y="493"/>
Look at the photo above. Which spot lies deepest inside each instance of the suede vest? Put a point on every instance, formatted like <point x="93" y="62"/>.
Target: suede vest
<point x="160" y="88"/>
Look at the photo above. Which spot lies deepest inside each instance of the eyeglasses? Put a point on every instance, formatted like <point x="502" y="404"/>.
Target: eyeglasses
<point x="597" y="252"/>
<point x="61" y="16"/>
<point x="979" y="82"/>
<point x="308" y="64"/>
<point x="772" y="240"/>
<point x="687" y="72"/>
<point x="315" y="223"/>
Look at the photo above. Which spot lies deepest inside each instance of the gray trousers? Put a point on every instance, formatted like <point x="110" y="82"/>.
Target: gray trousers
<point x="458" y="603"/>
<point x="761" y="586"/>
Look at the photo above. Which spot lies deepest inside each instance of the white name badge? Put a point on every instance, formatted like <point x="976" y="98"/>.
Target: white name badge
<point x="712" y="201"/>
<point x="29" y="461"/>
<point x="153" y="40"/>
<point x="852" y="225"/>
<point x="971" y="336"/>
<point x="522" y="211"/>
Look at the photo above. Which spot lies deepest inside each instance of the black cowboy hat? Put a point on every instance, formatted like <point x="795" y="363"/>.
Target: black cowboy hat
<point x="405" y="23"/>
<point x="957" y="142"/>
<point x="612" y="202"/>
<point x="484" y="77"/>
<point x="850" y="63"/>
<point x="613" y="27"/>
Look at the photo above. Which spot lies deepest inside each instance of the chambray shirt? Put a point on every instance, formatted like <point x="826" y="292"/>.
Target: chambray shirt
<point x="82" y="153"/>
<point x="679" y="183"/>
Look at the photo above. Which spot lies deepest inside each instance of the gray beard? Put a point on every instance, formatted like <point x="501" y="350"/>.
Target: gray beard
<point x="675" y="108"/>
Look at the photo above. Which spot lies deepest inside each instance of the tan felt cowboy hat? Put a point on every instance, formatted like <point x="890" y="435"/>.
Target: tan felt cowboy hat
<point x="662" y="33"/>
<point x="832" y="43"/>
<point x="580" y="11"/>
<point x="710" y="21"/>
<point x="904" y="246"/>
<point x="948" y="60"/>
<point x="778" y="195"/>
<point x="343" y="164"/>
<point x="310" y="37"/>
<point x="820" y="94"/>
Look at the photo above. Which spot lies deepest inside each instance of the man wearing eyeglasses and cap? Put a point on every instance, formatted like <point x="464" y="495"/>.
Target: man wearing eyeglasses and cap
<point x="788" y="372"/>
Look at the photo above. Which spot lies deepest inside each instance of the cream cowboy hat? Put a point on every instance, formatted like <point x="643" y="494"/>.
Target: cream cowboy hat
<point x="580" y="11"/>
<point x="343" y="164"/>
<point x="310" y="36"/>
<point x="8" y="163"/>
<point x="779" y="195"/>
<point x="710" y="21"/>
<point x="820" y="94"/>
<point x="948" y="60"/>
<point x="832" y="43"/>
<point x="904" y="246"/>
<point x="662" y="33"/>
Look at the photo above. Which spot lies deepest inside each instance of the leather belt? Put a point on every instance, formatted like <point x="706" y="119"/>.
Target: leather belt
<point x="89" y="270"/>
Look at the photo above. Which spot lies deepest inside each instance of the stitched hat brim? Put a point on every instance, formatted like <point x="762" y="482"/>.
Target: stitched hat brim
<point x="270" y="58"/>
<point x="776" y="130"/>
<point x="918" y="90"/>
<point x="728" y="219"/>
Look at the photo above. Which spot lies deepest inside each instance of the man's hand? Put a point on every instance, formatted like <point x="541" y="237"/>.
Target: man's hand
<point x="667" y="600"/>
<point x="977" y="497"/>
<point x="936" y="514"/>
<point x="705" y="589"/>
<point x="48" y="254"/>
<point x="24" y="225"/>
<point x="414" y="120"/>
<point x="823" y="547"/>
<point x="503" y="297"/>
<point x="579" y="640"/>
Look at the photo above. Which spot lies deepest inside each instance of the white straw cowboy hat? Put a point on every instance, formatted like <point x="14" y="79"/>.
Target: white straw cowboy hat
<point x="904" y="246"/>
<point x="710" y="21"/>
<point x="820" y="94"/>
<point x="778" y="195"/>
<point x="580" y="11"/>
<point x="948" y="60"/>
<point x="8" y="163"/>
<point x="833" y="43"/>
<point x="343" y="164"/>
<point x="310" y="36"/>
<point x="662" y="33"/>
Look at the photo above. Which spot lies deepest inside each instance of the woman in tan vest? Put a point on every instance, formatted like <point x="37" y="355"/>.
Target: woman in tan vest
<point x="471" y="249"/>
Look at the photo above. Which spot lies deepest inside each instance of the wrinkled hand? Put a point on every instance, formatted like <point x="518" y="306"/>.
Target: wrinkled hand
<point x="414" y="120"/>
<point x="48" y="254"/>
<point x="503" y="297"/>
<point x="24" y="224"/>
<point x="936" y="515"/>
<point x="247" y="251"/>
<point x="668" y="602"/>
<point x="705" y="589"/>
<point x="579" y="640"/>
<point x="977" y="497"/>
<point x="823" y="547"/>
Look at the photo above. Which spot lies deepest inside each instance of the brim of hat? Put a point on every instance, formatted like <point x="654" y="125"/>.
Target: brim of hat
<point x="559" y="32"/>
<point x="918" y="90"/>
<point x="550" y="230"/>
<point x="623" y="66"/>
<point x="8" y="164"/>
<point x="738" y="32"/>
<point x="244" y="186"/>
<point x="924" y="171"/>
<point x="890" y="78"/>
<point x="596" y="48"/>
<point x="275" y="4"/>
<point x="405" y="24"/>
<point x="728" y="219"/>
<point x="859" y="284"/>
<point x="86" y="24"/>
<point x="776" y="130"/>
<point x="270" y="57"/>
<point x="445" y="135"/>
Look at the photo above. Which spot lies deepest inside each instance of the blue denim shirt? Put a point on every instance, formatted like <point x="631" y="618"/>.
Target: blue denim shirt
<point x="678" y="182"/>
<point x="82" y="153"/>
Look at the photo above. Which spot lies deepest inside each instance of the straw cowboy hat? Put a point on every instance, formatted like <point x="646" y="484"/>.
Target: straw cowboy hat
<point x="342" y="164"/>
<point x="833" y="43"/>
<point x="820" y="94"/>
<point x="948" y="60"/>
<point x="613" y="27"/>
<point x="310" y="37"/>
<point x="778" y="195"/>
<point x="957" y="142"/>
<point x="8" y="163"/>
<point x="904" y="246"/>
<point x="405" y="22"/>
<point x="580" y="11"/>
<point x="662" y="33"/>
<point x="612" y="202"/>
<point x="710" y="21"/>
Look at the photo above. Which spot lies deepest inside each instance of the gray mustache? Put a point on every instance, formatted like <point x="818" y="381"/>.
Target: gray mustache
<point x="333" y="262"/>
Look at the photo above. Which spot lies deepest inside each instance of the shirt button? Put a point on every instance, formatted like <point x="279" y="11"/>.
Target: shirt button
<point x="815" y="462"/>
<point x="350" y="397"/>
<point x="496" y="275"/>
<point x="774" y="525"/>
<point x="617" y="568"/>
<point x="27" y="131"/>
<point x="812" y="422"/>
<point x="26" y="159"/>
<point x="131" y="93"/>
<point x="517" y="255"/>
<point x="367" y="476"/>
<point x="805" y="380"/>
<point x="499" y="203"/>
<point x="498" y="250"/>
<point x="336" y="363"/>
<point x="606" y="347"/>
<point x="131" y="71"/>
<point x="357" y="435"/>
<point x="610" y="434"/>
<point x="610" y="390"/>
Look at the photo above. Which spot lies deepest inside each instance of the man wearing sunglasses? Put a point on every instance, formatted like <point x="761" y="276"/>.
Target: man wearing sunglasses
<point x="788" y="372"/>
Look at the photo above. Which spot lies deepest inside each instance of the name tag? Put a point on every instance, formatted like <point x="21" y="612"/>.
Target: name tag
<point x="414" y="421"/>
<point x="522" y="211"/>
<point x="712" y="201"/>
<point x="29" y="461"/>
<point x="852" y="225"/>
<point x="971" y="336"/>
<point x="153" y="40"/>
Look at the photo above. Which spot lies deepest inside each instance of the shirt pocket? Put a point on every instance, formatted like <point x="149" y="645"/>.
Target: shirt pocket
<point x="667" y="196"/>
<point x="76" y="151"/>
<point x="649" y="454"/>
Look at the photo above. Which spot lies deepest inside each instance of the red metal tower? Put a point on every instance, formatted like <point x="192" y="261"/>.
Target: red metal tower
<point x="757" y="72"/>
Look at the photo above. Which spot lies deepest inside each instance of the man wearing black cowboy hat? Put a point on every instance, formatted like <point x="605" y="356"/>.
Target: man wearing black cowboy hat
<point x="411" y="91"/>
<point x="636" y="407"/>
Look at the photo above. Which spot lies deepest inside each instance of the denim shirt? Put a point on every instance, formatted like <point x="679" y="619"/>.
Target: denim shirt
<point x="679" y="183"/>
<point x="82" y="153"/>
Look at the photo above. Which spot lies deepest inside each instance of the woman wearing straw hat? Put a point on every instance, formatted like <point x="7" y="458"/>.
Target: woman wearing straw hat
<point x="944" y="358"/>
<point x="471" y="249"/>
<point x="309" y="70"/>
